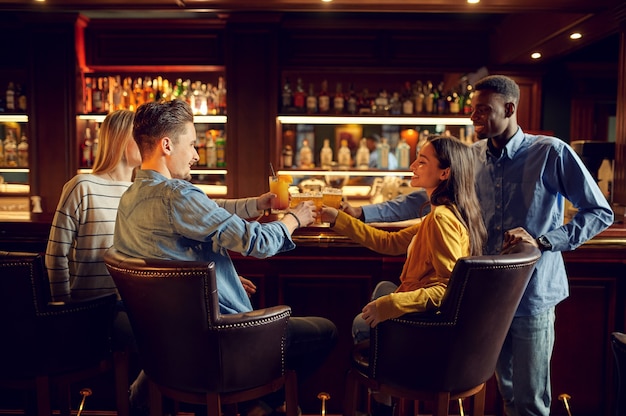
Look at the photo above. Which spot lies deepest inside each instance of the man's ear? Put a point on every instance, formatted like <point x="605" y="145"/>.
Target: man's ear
<point x="166" y="145"/>
<point x="509" y="109"/>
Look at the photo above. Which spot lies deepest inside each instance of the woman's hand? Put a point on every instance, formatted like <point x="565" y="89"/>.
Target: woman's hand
<point x="329" y="214"/>
<point x="301" y="215"/>
<point x="370" y="314"/>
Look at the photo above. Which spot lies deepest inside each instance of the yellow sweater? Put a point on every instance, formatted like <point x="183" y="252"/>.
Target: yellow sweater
<point x="432" y="248"/>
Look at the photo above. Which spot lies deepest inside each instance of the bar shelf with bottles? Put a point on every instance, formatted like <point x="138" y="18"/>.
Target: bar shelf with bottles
<point x="14" y="169"/>
<point x="206" y="96"/>
<point x="402" y="137"/>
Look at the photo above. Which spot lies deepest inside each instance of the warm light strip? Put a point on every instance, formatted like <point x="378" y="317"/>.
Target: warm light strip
<point x="99" y="118"/>
<point x="17" y="118"/>
<point x="193" y="171"/>
<point x="450" y="121"/>
<point x="298" y="173"/>
<point x="13" y="170"/>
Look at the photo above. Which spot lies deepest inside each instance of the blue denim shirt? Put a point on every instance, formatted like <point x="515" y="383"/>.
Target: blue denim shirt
<point x="173" y="219"/>
<point x="525" y="187"/>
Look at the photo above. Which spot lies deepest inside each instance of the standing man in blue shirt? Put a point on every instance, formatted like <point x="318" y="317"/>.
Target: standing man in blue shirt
<point x="521" y="181"/>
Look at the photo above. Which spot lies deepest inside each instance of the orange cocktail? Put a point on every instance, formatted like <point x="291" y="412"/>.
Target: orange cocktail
<point x="279" y="185"/>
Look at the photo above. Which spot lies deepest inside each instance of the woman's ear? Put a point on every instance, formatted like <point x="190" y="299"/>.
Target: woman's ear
<point x="445" y="174"/>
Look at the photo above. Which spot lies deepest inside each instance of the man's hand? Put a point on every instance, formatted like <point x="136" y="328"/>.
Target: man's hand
<point x="248" y="286"/>
<point x="264" y="201"/>
<point x="370" y="314"/>
<point x="355" y="212"/>
<point x="515" y="236"/>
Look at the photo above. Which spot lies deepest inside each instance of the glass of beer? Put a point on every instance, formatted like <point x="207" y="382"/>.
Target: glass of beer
<point x="331" y="197"/>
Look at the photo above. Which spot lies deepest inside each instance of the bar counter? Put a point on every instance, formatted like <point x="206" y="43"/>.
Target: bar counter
<point x="329" y="275"/>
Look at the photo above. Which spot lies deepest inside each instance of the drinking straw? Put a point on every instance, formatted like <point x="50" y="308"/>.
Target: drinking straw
<point x="272" y="169"/>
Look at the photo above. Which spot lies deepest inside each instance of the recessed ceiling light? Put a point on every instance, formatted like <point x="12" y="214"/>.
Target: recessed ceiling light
<point x="575" y="35"/>
<point x="327" y="1"/>
<point x="473" y="1"/>
<point x="535" y="55"/>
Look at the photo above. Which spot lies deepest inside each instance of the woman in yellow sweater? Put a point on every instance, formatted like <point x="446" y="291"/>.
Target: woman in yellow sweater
<point x="454" y="228"/>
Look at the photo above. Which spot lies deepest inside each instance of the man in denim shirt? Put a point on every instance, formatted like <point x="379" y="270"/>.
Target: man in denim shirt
<point x="521" y="181"/>
<point x="162" y="215"/>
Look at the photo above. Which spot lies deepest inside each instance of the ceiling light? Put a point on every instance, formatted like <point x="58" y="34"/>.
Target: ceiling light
<point x="473" y="1"/>
<point x="327" y="1"/>
<point x="575" y="35"/>
<point x="535" y="55"/>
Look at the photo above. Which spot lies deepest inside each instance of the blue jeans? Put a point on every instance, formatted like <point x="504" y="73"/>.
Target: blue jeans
<point x="523" y="368"/>
<point x="360" y="328"/>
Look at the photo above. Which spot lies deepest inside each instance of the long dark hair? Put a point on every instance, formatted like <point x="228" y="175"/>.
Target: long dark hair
<point x="458" y="192"/>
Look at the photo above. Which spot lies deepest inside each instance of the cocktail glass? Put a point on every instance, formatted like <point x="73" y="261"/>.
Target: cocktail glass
<point x="279" y="185"/>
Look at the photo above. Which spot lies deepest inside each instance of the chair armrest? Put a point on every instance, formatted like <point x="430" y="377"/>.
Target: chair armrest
<point x="255" y="317"/>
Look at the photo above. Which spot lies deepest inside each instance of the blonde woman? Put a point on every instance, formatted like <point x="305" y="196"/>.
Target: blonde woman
<point x="84" y="221"/>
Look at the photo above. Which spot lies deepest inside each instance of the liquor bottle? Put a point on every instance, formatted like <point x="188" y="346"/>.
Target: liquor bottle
<point x="138" y="95"/>
<point x="306" y="155"/>
<point x="287" y="157"/>
<point x="221" y="96"/>
<point x="323" y="100"/>
<point x="87" y="150"/>
<point x="339" y="100"/>
<point x="383" y="154"/>
<point x="299" y="98"/>
<point x="419" y="96"/>
<point x="21" y="99"/>
<point x="363" y="155"/>
<point x="382" y="103"/>
<point x="10" y="98"/>
<point x="201" y="149"/>
<point x="211" y="155"/>
<point x="116" y="94"/>
<point x="287" y="97"/>
<point x="343" y="155"/>
<point x="454" y="103"/>
<point x="429" y="98"/>
<point x="97" y="104"/>
<point x="403" y="154"/>
<point x="96" y="143"/>
<point x="2" y="164"/>
<point x="421" y="141"/>
<point x="395" y="104"/>
<point x="10" y="150"/>
<point x="311" y="101"/>
<point x="128" y="98"/>
<point x="22" y="152"/>
<point x="407" y="99"/>
<point x="148" y="90"/>
<point x="220" y="151"/>
<point x="442" y="102"/>
<point x="326" y="155"/>
<point x="88" y="95"/>
<point x="351" y="106"/>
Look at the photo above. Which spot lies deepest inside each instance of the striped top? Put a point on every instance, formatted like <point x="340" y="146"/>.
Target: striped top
<point x="82" y="230"/>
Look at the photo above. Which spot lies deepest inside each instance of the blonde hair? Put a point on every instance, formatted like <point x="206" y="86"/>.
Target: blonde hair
<point x="115" y="132"/>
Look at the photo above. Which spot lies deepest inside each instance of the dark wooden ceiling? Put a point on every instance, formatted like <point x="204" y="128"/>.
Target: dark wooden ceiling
<point x="515" y="28"/>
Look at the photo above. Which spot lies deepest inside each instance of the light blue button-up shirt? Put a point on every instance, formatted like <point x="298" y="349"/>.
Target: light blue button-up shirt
<point x="525" y="187"/>
<point x="173" y="219"/>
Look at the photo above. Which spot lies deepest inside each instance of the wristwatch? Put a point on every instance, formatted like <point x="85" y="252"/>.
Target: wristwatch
<point x="543" y="243"/>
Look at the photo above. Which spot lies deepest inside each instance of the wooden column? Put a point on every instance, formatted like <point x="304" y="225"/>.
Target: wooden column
<point x="52" y="108"/>
<point x="619" y="181"/>
<point x="253" y="83"/>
